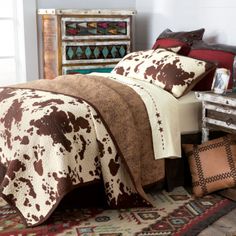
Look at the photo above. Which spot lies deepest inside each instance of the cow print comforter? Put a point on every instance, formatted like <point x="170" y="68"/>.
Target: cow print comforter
<point x="54" y="137"/>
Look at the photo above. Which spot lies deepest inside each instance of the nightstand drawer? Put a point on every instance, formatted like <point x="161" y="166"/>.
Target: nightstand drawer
<point x="95" y="28"/>
<point x="218" y="112"/>
<point x="94" y="52"/>
<point x="224" y="120"/>
<point x="219" y="115"/>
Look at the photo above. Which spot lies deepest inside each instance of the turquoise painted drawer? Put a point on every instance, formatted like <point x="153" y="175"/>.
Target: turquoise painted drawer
<point x="87" y="69"/>
<point x="94" y="52"/>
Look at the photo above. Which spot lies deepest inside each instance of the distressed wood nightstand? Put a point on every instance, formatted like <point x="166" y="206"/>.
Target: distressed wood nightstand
<point x="218" y="112"/>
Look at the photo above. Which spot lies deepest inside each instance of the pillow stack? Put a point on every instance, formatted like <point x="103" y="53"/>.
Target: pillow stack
<point x="192" y="45"/>
<point x="186" y="43"/>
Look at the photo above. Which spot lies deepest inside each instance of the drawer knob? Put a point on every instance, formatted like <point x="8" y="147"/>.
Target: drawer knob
<point x="229" y="121"/>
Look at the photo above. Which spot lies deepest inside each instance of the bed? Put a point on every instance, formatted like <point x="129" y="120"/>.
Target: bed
<point x="43" y="124"/>
<point x="191" y="123"/>
<point x="78" y="130"/>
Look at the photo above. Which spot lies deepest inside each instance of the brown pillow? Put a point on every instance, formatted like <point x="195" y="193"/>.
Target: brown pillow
<point x="212" y="165"/>
<point x="184" y="39"/>
<point x="184" y="36"/>
<point x="174" y="73"/>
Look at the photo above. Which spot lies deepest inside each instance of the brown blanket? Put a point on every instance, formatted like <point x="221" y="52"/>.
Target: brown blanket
<point x="123" y="115"/>
<point x="106" y="101"/>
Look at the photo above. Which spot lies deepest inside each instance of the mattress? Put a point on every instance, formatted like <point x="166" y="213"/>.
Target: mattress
<point x="190" y="113"/>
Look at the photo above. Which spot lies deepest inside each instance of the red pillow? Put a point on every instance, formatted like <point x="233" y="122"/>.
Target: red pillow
<point x="184" y="39"/>
<point x="221" y="54"/>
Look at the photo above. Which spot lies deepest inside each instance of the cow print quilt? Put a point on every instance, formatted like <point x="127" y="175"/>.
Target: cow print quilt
<point x="52" y="142"/>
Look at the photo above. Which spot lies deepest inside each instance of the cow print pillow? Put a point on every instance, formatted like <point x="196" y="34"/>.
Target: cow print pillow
<point x="164" y="68"/>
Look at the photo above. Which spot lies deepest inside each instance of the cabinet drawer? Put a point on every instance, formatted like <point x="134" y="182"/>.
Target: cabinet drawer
<point x="95" y="28"/>
<point x="220" y="115"/>
<point x="87" y="69"/>
<point x="94" y="52"/>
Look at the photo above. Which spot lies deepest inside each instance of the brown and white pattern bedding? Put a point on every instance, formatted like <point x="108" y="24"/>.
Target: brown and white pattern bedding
<point x="174" y="73"/>
<point x="163" y="115"/>
<point x="56" y="140"/>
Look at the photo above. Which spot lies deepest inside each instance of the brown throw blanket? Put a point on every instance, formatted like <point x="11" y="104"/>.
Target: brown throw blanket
<point x="75" y="108"/>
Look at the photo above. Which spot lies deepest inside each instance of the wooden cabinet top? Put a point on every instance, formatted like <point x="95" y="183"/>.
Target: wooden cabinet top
<point x="85" y="12"/>
<point x="228" y="98"/>
<point x="218" y="112"/>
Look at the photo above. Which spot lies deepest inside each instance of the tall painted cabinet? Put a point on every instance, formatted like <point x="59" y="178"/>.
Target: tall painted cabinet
<point x="84" y="41"/>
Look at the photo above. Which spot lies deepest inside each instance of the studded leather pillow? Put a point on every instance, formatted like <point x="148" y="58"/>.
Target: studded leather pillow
<point x="212" y="165"/>
<point x="184" y="39"/>
<point x="174" y="73"/>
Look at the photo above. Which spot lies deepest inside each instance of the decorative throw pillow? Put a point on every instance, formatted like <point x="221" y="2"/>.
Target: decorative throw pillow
<point x="168" y="70"/>
<point x="221" y="54"/>
<point x="212" y="165"/>
<point x="184" y="39"/>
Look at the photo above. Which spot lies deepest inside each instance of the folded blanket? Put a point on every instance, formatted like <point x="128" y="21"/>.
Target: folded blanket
<point x="60" y="134"/>
<point x="162" y="112"/>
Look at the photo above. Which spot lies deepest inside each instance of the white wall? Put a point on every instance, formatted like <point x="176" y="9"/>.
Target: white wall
<point x="27" y="37"/>
<point x="216" y="16"/>
<point x="87" y="4"/>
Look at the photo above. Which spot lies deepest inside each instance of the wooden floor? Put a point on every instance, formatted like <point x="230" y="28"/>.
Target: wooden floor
<point x="225" y="226"/>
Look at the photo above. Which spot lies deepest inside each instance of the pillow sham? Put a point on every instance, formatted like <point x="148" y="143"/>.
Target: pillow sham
<point x="174" y="73"/>
<point x="212" y="165"/>
<point x="128" y="64"/>
<point x="221" y="54"/>
<point x="184" y="39"/>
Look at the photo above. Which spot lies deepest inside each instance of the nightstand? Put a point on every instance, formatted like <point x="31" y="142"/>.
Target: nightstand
<point x="218" y="112"/>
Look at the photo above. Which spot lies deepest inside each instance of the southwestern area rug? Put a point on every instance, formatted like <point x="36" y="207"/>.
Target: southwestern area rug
<point x="176" y="213"/>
